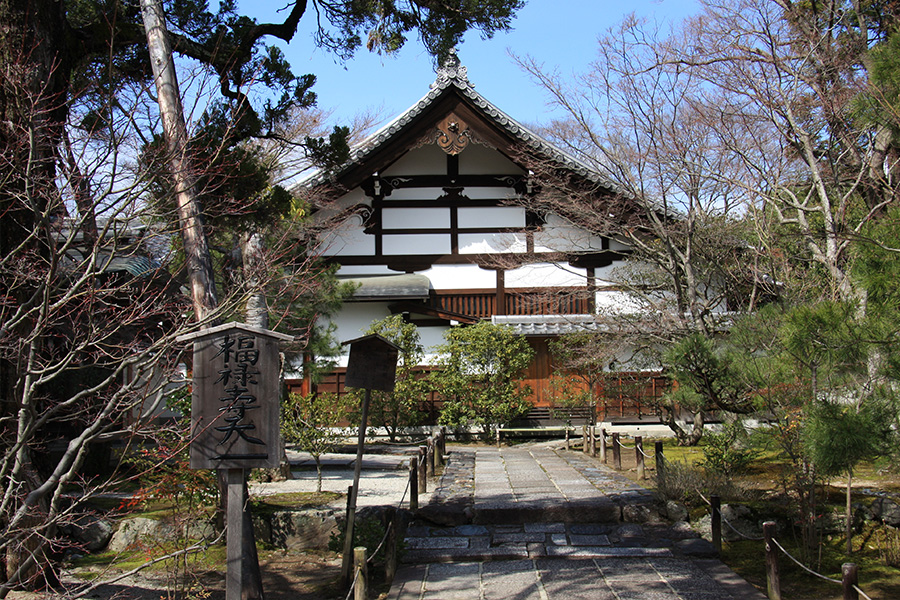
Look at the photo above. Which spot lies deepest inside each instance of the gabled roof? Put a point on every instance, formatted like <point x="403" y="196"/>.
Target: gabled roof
<point x="451" y="89"/>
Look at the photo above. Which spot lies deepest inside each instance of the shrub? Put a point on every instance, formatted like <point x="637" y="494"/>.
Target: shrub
<point x="682" y="482"/>
<point x="725" y="454"/>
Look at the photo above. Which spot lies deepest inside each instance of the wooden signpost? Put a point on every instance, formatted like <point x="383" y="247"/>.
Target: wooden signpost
<point x="372" y="366"/>
<point x="235" y="418"/>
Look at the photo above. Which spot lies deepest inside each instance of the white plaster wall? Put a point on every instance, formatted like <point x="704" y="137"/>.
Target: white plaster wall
<point x="426" y="160"/>
<point x="351" y="198"/>
<point x="348" y="239"/>
<point x="416" y="244"/>
<point x="491" y="243"/>
<point x="355" y="318"/>
<point x="414" y="193"/>
<point x="558" y="235"/>
<point x="360" y="270"/>
<point x="416" y="218"/>
<point x="491" y="216"/>
<point x="615" y="244"/>
<point x="481" y="160"/>
<point x="465" y="277"/>
<point x="490" y="193"/>
<point x="615" y="301"/>
<point x="546" y="275"/>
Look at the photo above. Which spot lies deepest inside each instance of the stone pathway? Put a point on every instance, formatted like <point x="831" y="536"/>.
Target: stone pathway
<point x="539" y="522"/>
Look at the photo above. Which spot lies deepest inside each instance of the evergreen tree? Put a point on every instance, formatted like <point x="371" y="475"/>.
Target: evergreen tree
<point x="480" y="376"/>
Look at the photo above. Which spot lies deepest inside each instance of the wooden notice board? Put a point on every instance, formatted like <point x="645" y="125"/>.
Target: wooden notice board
<point x="234" y="405"/>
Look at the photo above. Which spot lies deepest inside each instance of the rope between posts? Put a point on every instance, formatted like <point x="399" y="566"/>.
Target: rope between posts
<point x="417" y="443"/>
<point x="727" y="522"/>
<point x="353" y="584"/>
<point x="619" y="442"/>
<point x="645" y="454"/>
<point x="804" y="567"/>
<point x="387" y="530"/>
<point x="859" y="591"/>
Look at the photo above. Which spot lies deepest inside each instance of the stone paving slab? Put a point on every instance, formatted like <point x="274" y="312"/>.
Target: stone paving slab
<point x="617" y="578"/>
<point x="534" y="523"/>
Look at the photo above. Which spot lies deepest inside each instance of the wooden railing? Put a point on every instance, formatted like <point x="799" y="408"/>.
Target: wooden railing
<point x="483" y="303"/>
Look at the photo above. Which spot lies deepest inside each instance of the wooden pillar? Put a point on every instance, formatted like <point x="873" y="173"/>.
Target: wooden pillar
<point x="593" y="436"/>
<point x="602" y="445"/>
<point x="392" y="519"/>
<point x="234" y="535"/>
<point x="849" y="581"/>
<point x="429" y="451"/>
<point x="423" y="478"/>
<point x="361" y="574"/>
<point x="585" y="444"/>
<point x="413" y="484"/>
<point x="616" y="452"/>
<point x="716" y="525"/>
<point x="639" y="455"/>
<point x="500" y="300"/>
<point x="660" y="460"/>
<point x="773" y="581"/>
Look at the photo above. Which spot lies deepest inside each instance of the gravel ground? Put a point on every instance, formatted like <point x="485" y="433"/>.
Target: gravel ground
<point x="383" y="481"/>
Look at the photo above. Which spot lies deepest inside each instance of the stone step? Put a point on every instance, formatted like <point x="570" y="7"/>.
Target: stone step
<point x="589" y="511"/>
<point x="473" y="542"/>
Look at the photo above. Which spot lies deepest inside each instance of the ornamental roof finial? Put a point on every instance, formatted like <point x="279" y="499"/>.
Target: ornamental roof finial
<point x="451" y="69"/>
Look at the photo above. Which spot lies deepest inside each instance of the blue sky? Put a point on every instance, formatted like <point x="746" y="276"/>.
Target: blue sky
<point x="561" y="34"/>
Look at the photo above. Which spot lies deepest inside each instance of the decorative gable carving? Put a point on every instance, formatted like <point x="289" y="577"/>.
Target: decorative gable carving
<point x="453" y="134"/>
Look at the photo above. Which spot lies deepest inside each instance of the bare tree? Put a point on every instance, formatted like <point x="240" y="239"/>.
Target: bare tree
<point x="646" y="129"/>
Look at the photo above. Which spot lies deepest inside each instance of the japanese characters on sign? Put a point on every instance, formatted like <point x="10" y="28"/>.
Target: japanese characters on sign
<point x="234" y="407"/>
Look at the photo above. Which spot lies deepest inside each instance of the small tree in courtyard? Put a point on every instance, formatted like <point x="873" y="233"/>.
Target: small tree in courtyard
<point x="480" y="376"/>
<point x="311" y="422"/>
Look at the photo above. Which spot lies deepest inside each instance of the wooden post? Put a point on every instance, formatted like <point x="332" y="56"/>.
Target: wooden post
<point x="567" y="437"/>
<point x="498" y="438"/>
<point x="603" y="445"/>
<point x="617" y="452"/>
<point x="443" y="443"/>
<point x="423" y="479"/>
<point x="234" y="535"/>
<point x="439" y="449"/>
<point x="849" y="581"/>
<point x="660" y="459"/>
<point x="361" y="574"/>
<point x="716" y="525"/>
<point x="392" y="518"/>
<point x="354" y="492"/>
<point x="413" y="484"/>
<point x="593" y="435"/>
<point x="639" y="455"/>
<point x="585" y="443"/>
<point x="773" y="582"/>
<point x="429" y="451"/>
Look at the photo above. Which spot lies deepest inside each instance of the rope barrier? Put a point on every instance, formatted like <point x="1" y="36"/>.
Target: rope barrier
<point x="417" y="443"/>
<point x="387" y="530"/>
<point x="727" y="522"/>
<point x="353" y="584"/>
<point x="862" y="593"/>
<point x="804" y="567"/>
<point x="619" y="442"/>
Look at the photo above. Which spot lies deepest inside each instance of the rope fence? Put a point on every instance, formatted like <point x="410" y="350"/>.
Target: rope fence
<point x="422" y="464"/>
<point x="850" y="573"/>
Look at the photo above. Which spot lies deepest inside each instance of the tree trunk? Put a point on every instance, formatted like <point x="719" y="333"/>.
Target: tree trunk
<point x="196" y="249"/>
<point x="849" y="522"/>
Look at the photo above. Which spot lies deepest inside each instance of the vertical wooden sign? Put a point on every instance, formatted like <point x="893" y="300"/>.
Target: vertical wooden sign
<point x="234" y="405"/>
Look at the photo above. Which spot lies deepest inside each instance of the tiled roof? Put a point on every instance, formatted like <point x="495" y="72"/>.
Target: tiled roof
<point x="550" y="324"/>
<point x="452" y="74"/>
